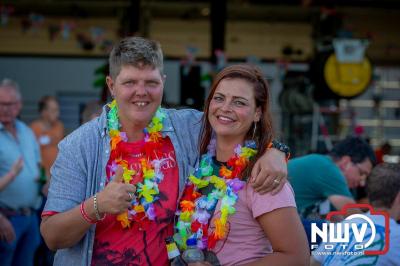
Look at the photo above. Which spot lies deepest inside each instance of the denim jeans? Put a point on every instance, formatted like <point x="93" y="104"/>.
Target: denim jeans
<point x="22" y="250"/>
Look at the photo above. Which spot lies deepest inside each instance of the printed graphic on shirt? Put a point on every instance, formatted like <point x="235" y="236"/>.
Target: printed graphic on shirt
<point x="141" y="244"/>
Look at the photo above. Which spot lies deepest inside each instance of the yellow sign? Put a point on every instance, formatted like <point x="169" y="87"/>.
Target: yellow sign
<point x="347" y="79"/>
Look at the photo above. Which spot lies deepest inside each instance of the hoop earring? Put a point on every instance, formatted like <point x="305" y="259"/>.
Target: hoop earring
<point x="254" y="130"/>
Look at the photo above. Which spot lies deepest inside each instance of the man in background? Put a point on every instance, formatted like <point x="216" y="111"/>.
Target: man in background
<point x="383" y="190"/>
<point x="322" y="182"/>
<point x="20" y="196"/>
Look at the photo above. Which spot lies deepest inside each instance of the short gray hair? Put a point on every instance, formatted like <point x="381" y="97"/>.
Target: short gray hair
<point x="137" y="52"/>
<point x="9" y="83"/>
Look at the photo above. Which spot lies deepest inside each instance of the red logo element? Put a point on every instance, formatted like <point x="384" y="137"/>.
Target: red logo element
<point x="343" y="212"/>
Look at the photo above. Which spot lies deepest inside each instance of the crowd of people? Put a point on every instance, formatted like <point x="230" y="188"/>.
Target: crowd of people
<point x="136" y="174"/>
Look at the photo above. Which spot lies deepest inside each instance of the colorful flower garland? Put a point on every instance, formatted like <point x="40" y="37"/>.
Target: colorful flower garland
<point x="195" y="208"/>
<point x="146" y="191"/>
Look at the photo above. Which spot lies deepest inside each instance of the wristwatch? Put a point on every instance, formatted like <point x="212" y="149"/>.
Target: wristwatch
<point x="280" y="147"/>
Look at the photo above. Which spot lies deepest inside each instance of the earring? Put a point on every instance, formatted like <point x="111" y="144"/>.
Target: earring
<point x="254" y="130"/>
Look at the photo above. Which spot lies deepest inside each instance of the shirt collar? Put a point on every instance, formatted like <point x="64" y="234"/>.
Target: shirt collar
<point x="16" y="123"/>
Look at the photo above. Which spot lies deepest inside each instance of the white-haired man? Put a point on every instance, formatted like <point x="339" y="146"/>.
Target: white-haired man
<point x="19" y="191"/>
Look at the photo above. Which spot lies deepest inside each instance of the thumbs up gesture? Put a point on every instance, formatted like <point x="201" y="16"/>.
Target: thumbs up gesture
<point x="116" y="196"/>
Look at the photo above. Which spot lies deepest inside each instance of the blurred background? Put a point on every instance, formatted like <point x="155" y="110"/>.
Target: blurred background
<point x="333" y="66"/>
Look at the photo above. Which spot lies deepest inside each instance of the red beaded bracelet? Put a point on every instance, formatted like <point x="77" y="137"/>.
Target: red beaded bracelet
<point x="85" y="216"/>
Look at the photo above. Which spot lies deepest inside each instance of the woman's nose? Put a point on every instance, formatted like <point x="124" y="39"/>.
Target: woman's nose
<point x="226" y="106"/>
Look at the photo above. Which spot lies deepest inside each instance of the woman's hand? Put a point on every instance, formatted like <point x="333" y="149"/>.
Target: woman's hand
<point x="116" y="196"/>
<point x="269" y="173"/>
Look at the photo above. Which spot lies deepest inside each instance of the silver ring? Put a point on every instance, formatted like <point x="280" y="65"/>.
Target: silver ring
<point x="276" y="181"/>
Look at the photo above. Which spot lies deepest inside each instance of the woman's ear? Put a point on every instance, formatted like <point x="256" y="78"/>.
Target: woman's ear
<point x="258" y="114"/>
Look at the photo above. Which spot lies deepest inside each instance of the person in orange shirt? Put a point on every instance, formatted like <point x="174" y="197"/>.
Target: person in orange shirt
<point x="49" y="131"/>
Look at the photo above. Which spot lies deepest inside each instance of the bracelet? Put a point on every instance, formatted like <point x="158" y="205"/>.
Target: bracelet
<point x="96" y="209"/>
<point x="280" y="147"/>
<point x="84" y="214"/>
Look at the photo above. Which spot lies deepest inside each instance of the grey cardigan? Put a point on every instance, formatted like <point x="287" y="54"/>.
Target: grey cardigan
<point x="79" y="170"/>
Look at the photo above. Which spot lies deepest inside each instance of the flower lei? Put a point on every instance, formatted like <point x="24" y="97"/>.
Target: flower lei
<point x="147" y="191"/>
<point x="195" y="208"/>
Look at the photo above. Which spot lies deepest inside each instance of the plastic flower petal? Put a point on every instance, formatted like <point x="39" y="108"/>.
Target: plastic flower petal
<point x="225" y="172"/>
<point x="218" y="182"/>
<point x="150" y="212"/>
<point x="202" y="216"/>
<point x="148" y="173"/>
<point x="200" y="183"/>
<point x="185" y="216"/>
<point x="248" y="152"/>
<point x="219" y="229"/>
<point x="187" y="205"/>
<point x="112" y="167"/>
<point x="114" y="142"/>
<point x="123" y="219"/>
<point x="147" y="193"/>
<point x="127" y="175"/>
<point x="138" y="208"/>
<point x="155" y="137"/>
<point x="123" y="136"/>
<point x="207" y="170"/>
<point x="236" y="184"/>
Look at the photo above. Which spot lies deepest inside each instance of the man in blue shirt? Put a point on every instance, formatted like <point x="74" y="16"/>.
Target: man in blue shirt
<point x="19" y="196"/>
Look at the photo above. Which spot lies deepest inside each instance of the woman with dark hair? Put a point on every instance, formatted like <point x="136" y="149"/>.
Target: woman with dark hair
<point x="219" y="209"/>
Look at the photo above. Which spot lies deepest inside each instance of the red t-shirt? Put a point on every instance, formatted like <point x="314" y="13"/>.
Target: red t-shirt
<point x="135" y="245"/>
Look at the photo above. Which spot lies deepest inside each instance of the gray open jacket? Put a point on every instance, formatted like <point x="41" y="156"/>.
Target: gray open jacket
<point x="79" y="170"/>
